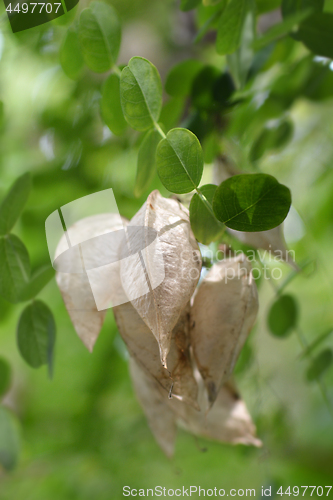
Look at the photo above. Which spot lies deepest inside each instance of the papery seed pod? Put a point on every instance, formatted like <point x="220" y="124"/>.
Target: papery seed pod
<point x="178" y="380"/>
<point x="171" y="264"/>
<point x="224" y="311"/>
<point x="76" y="288"/>
<point x="161" y="419"/>
<point x="228" y="421"/>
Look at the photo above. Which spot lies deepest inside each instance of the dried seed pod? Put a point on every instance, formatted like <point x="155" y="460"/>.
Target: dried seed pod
<point x="75" y="287"/>
<point x="143" y="347"/>
<point x="228" y="421"/>
<point x="161" y="419"/>
<point x="223" y="313"/>
<point x="171" y="264"/>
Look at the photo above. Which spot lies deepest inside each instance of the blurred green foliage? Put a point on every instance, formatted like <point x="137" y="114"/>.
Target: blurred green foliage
<point x="83" y="433"/>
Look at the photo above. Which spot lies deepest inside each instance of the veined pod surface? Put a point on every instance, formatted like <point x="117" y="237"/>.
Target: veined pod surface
<point x="178" y="381"/>
<point x="228" y="421"/>
<point x="224" y="311"/>
<point x="161" y="419"/>
<point x="172" y="264"/>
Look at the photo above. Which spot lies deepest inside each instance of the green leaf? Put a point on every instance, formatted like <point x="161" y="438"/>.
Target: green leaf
<point x="202" y="91"/>
<point x="290" y="85"/>
<point x="146" y="161"/>
<point x="281" y="29"/>
<point x="111" y="109"/>
<point x="14" y="268"/>
<point x="5" y="376"/>
<point x="209" y="23"/>
<point x="251" y="202"/>
<point x="70" y="55"/>
<point x="186" y="5"/>
<point x="211" y="89"/>
<point x="290" y="7"/>
<point x="141" y="93"/>
<point x="316" y="32"/>
<point x="208" y="3"/>
<point x="36" y="334"/>
<point x="99" y="36"/>
<point x="179" y="161"/>
<point x="205" y="227"/>
<point x="271" y="138"/>
<point x="37" y="282"/>
<point x="181" y="76"/>
<point x="2" y="116"/>
<point x="267" y="5"/>
<point x="240" y="61"/>
<point x="13" y="204"/>
<point x="9" y="439"/>
<point x="200" y="123"/>
<point x="283" y="315"/>
<point x="230" y="26"/>
<point x="319" y="365"/>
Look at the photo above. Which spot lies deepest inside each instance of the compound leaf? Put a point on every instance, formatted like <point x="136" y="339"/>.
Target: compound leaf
<point x="251" y="202"/>
<point x="186" y="5"/>
<point x="36" y="334"/>
<point x="12" y="206"/>
<point x="146" y="161"/>
<point x="179" y="161"/>
<point x="319" y="365"/>
<point x="205" y="227"/>
<point x="141" y="93"/>
<point x="181" y="76"/>
<point x="14" y="267"/>
<point x="111" y="106"/>
<point x="9" y="439"/>
<point x="5" y="376"/>
<point x="230" y="26"/>
<point x="99" y="36"/>
<point x="37" y="282"/>
<point x="70" y="55"/>
<point x="282" y="317"/>
<point x="316" y="32"/>
<point x="290" y="7"/>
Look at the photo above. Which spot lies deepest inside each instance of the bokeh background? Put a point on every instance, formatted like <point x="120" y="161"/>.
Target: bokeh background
<point x="83" y="434"/>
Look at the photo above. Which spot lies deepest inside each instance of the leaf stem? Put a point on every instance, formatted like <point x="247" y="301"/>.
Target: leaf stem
<point x="116" y="70"/>
<point x="320" y="383"/>
<point x="199" y="192"/>
<point x="159" y="130"/>
<point x="293" y="275"/>
<point x="206" y="26"/>
<point x="208" y="206"/>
